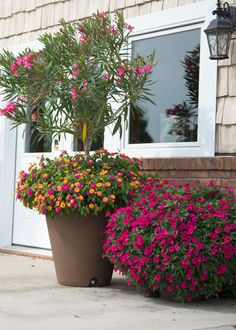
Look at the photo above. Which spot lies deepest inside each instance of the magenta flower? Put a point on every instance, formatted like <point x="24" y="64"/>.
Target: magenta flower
<point x="147" y="68"/>
<point x="121" y="72"/>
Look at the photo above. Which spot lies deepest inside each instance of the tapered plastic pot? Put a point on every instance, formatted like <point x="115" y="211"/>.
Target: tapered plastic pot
<point x="76" y="243"/>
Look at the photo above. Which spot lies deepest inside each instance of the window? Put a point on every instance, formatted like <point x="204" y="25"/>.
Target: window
<point x="36" y="143"/>
<point x="183" y="121"/>
<point x="174" y="118"/>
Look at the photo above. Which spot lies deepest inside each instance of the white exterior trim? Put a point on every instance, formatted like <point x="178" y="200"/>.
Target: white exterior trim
<point x="169" y="21"/>
<point x="8" y="167"/>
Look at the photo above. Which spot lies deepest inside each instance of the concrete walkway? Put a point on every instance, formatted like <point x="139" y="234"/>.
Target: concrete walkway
<point x="30" y="298"/>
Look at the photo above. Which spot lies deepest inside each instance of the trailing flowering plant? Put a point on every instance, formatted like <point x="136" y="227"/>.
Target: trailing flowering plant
<point x="69" y="85"/>
<point x="179" y="239"/>
<point x="70" y="183"/>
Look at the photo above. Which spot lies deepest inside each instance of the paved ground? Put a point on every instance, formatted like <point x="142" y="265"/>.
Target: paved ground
<point x="31" y="299"/>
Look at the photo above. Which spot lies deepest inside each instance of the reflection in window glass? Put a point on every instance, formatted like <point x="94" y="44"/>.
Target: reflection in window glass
<point x="98" y="144"/>
<point x="35" y="143"/>
<point x="174" y="118"/>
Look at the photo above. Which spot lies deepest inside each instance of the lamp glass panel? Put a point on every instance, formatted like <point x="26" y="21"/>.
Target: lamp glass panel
<point x="212" y="41"/>
<point x="223" y="39"/>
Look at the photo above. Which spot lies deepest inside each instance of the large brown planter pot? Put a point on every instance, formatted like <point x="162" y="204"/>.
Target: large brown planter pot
<point x="76" y="243"/>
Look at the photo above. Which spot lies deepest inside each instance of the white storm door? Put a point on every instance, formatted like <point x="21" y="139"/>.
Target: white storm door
<point x="29" y="227"/>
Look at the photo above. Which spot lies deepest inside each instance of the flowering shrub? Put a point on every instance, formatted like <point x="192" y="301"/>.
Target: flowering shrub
<point x="72" y="183"/>
<point x="179" y="239"/>
<point x="69" y="85"/>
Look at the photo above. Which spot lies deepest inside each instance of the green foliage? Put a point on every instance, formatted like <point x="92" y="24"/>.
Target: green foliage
<point x="70" y="84"/>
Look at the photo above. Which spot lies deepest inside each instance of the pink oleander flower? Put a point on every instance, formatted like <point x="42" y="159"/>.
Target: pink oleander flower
<point x="105" y="76"/>
<point x="10" y="107"/>
<point x="147" y="68"/>
<point x="130" y="28"/>
<point x="74" y="94"/>
<point x="33" y="116"/>
<point x="121" y="72"/>
<point x="101" y="15"/>
<point x="14" y="69"/>
<point x="86" y="84"/>
<point x="139" y="71"/>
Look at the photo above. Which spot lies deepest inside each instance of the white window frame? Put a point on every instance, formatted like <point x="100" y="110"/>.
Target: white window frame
<point x="169" y="21"/>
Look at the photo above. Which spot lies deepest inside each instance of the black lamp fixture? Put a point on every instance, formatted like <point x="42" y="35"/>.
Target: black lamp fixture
<point x="219" y="31"/>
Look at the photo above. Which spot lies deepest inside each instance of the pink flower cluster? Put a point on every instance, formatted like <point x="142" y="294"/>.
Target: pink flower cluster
<point x="174" y="238"/>
<point x="10" y="107"/>
<point x="138" y="70"/>
<point x="24" y="61"/>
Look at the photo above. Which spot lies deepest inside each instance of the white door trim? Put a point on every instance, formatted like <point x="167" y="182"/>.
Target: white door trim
<point x="8" y="154"/>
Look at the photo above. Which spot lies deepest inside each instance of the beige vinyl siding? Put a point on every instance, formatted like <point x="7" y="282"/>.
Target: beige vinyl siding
<point x="24" y="20"/>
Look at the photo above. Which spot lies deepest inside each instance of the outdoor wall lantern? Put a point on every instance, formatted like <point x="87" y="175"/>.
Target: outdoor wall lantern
<point x="219" y="31"/>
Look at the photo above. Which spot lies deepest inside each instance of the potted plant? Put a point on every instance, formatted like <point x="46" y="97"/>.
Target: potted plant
<point x="177" y="241"/>
<point x="68" y="185"/>
<point x="68" y="87"/>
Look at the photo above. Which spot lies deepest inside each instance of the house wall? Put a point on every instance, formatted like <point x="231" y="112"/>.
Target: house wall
<point x="221" y="169"/>
<point x="23" y="20"/>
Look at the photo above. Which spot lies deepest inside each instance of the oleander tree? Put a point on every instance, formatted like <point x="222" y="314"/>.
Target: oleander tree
<point x="69" y="85"/>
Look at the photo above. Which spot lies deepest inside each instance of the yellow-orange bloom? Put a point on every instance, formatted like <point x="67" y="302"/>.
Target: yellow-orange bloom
<point x="52" y="197"/>
<point x="99" y="193"/>
<point x="91" y="206"/>
<point x="105" y="200"/>
<point x="113" y="197"/>
<point x="91" y="191"/>
<point x="99" y="184"/>
<point x="77" y="190"/>
<point x="62" y="205"/>
<point x="81" y="198"/>
<point x="107" y="184"/>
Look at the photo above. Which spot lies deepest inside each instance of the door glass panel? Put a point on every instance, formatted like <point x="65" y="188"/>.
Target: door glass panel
<point x="174" y="117"/>
<point x="35" y="143"/>
<point x="98" y="144"/>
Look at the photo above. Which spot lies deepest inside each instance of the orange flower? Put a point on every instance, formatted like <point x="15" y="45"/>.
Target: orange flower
<point x="91" y="191"/>
<point x="52" y="197"/>
<point x="77" y="190"/>
<point x="81" y="198"/>
<point x="62" y="205"/>
<point x="99" y="193"/>
<point x="113" y="197"/>
<point x="59" y="188"/>
<point x="99" y="184"/>
<point x="105" y="200"/>
<point x="91" y="206"/>
<point x="107" y="184"/>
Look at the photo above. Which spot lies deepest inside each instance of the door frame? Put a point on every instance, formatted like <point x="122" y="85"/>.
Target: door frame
<point x="8" y="153"/>
<point x="7" y="178"/>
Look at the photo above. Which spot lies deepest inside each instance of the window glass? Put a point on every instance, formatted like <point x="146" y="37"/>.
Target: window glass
<point x="34" y="142"/>
<point x="98" y="144"/>
<point x="174" y="117"/>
